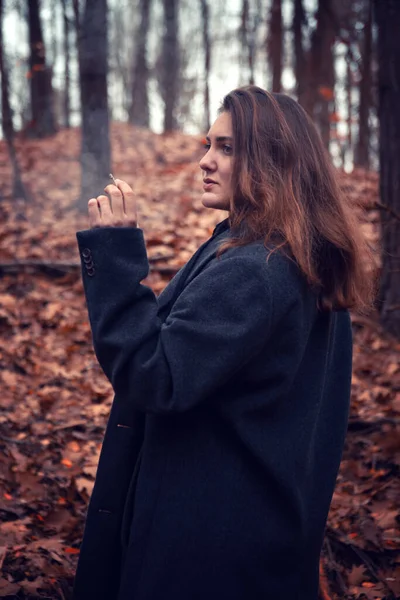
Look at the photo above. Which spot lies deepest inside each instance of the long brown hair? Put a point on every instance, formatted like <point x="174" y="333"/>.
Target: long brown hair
<point x="285" y="191"/>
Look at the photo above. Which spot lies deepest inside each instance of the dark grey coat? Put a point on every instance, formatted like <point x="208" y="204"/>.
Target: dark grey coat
<point x="227" y="427"/>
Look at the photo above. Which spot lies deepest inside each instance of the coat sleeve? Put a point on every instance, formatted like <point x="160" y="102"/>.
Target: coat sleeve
<point x="219" y="321"/>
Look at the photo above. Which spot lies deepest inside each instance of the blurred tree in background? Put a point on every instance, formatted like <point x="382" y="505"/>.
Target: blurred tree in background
<point x="67" y="63"/>
<point x="275" y="44"/>
<point x="205" y="17"/>
<point x="6" y="117"/>
<point x="40" y="77"/>
<point x="388" y="20"/>
<point x="93" y="71"/>
<point x="169" y="72"/>
<point x="139" y="100"/>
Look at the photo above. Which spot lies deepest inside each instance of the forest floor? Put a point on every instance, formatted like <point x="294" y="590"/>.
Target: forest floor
<point x="55" y="399"/>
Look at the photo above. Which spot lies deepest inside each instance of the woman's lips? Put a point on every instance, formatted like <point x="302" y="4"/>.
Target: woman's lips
<point x="208" y="186"/>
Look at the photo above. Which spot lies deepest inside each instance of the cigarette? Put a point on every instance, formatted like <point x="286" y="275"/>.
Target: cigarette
<point x="112" y="177"/>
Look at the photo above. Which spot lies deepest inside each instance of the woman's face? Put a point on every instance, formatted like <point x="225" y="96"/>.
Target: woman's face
<point x="217" y="164"/>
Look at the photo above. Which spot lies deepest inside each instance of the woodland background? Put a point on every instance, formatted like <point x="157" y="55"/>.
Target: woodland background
<point x="90" y="87"/>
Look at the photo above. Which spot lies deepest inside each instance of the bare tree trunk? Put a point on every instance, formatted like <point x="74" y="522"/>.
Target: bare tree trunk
<point x="243" y="35"/>
<point x="43" y="121"/>
<point x="54" y="36"/>
<point x="67" y="69"/>
<point x="349" y="88"/>
<point x="361" y="155"/>
<point x="275" y="44"/>
<point x="252" y="41"/>
<point x="170" y="67"/>
<point x="75" y="4"/>
<point x="18" y="190"/>
<point x="139" y="107"/>
<point x="299" y="18"/>
<point x="93" y="67"/>
<point x="320" y="42"/>
<point x="388" y="20"/>
<point x="207" y="61"/>
<point x="250" y="21"/>
<point x="320" y="69"/>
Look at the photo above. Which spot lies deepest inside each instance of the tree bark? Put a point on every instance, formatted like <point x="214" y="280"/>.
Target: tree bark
<point x="244" y="48"/>
<point x="77" y="16"/>
<point x="361" y="155"/>
<point x="349" y="89"/>
<point x="387" y="14"/>
<point x="252" y="40"/>
<point x="139" y="107"/>
<point x="320" y="69"/>
<point x="67" y="69"/>
<point x="43" y="121"/>
<point x="18" y="189"/>
<point x="54" y="36"/>
<point x="170" y="64"/>
<point x="207" y="61"/>
<point x="275" y="44"/>
<point x="93" y="67"/>
<point x="299" y="18"/>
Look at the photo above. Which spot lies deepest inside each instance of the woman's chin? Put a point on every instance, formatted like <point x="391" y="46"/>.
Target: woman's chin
<point x="210" y="200"/>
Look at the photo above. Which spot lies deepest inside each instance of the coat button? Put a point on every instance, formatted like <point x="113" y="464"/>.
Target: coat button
<point x="87" y="259"/>
<point x="89" y="265"/>
<point x="86" y="252"/>
<point x="90" y="272"/>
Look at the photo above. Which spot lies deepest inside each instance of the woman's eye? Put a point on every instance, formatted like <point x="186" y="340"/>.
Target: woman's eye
<point x="227" y="149"/>
<point x="206" y="146"/>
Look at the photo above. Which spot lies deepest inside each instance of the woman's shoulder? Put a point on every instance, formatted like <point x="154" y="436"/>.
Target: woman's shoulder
<point x="274" y="262"/>
<point x="286" y="282"/>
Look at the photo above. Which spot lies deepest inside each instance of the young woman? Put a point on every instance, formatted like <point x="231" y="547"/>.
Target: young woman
<point x="232" y="388"/>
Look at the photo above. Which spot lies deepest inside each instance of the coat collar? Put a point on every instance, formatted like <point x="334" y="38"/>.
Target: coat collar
<point x="220" y="227"/>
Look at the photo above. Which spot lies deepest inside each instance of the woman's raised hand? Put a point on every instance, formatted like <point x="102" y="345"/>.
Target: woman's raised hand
<point x="119" y="211"/>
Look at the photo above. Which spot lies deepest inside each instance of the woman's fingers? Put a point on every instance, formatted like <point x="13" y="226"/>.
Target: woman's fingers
<point x="118" y="211"/>
<point x="107" y="217"/>
<point x="130" y="205"/>
<point x="117" y="205"/>
<point x="94" y="213"/>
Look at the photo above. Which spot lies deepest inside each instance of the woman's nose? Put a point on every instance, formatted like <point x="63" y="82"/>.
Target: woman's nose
<point x="207" y="163"/>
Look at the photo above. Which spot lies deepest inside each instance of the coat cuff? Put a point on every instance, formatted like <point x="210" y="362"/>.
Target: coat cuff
<point x="101" y="248"/>
<point x="105" y="254"/>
